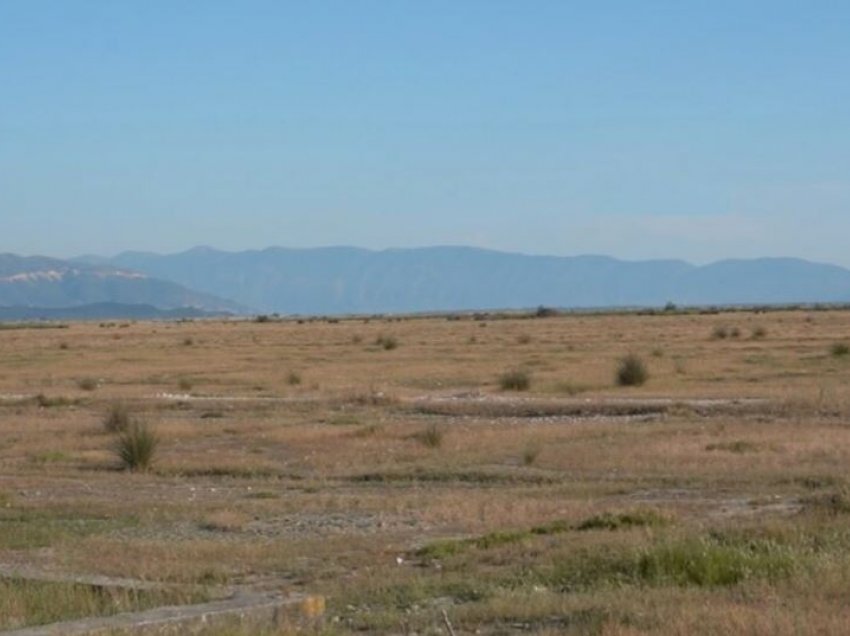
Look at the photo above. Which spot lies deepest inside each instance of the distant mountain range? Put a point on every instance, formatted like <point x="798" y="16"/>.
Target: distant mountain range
<point x="343" y="280"/>
<point x="35" y="285"/>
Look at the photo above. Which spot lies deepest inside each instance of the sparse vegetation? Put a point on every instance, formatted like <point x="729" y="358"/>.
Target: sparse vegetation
<point x="117" y="419"/>
<point x="388" y="343"/>
<point x="431" y="436"/>
<point x="136" y="446"/>
<point x="632" y="371"/>
<point x="624" y="520"/>
<point x="293" y="378"/>
<point x="530" y="452"/>
<point x="87" y="384"/>
<point x="737" y="446"/>
<point x="840" y="349"/>
<point x="708" y="502"/>
<point x="720" y="332"/>
<point x="515" y="380"/>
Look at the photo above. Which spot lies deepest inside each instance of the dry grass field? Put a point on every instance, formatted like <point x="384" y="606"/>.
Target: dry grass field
<point x="488" y="472"/>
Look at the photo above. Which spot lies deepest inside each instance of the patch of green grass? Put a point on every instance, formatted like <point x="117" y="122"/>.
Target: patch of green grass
<point x="28" y="529"/>
<point x="26" y="603"/>
<point x="607" y="521"/>
<point x="624" y="520"/>
<point x="703" y="562"/>
<point x="839" y="350"/>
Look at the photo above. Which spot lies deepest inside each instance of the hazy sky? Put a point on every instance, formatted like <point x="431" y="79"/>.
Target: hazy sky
<point x="690" y="129"/>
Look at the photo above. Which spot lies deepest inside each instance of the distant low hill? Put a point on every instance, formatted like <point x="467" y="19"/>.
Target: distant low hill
<point x="40" y="283"/>
<point x="351" y="280"/>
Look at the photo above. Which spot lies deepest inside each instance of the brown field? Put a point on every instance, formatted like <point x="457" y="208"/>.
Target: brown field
<point x="404" y="484"/>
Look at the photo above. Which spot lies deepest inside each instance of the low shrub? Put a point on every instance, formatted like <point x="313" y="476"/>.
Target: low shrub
<point x="839" y="349"/>
<point x="293" y="378"/>
<point x="515" y="380"/>
<point x="631" y="371"/>
<point x="136" y="446"/>
<point x="87" y="384"/>
<point x="388" y="343"/>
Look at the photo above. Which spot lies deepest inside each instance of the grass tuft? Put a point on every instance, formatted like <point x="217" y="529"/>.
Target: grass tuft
<point x="87" y="384"/>
<point x="293" y="378"/>
<point x="631" y="371"/>
<point x="515" y="380"/>
<point x="387" y="343"/>
<point x="839" y="350"/>
<point x="431" y="436"/>
<point x="137" y="446"/>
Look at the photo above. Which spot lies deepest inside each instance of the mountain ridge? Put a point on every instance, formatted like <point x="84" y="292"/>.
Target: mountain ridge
<point x="343" y="279"/>
<point x="47" y="284"/>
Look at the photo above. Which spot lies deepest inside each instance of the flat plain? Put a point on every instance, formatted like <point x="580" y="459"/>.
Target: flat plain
<point x="393" y="467"/>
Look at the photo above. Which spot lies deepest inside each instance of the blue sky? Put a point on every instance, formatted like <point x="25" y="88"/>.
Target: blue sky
<point x="672" y="129"/>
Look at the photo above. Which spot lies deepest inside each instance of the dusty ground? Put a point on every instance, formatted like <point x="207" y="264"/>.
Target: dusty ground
<point x="403" y="482"/>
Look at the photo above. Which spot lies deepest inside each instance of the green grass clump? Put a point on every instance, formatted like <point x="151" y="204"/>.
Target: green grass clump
<point x="515" y="380"/>
<point x="631" y="371"/>
<point x="839" y="350"/>
<point x="136" y="446"/>
<point x="623" y="520"/>
<point x="703" y="562"/>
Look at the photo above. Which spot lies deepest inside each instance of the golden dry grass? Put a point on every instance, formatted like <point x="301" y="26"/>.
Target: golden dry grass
<point x="326" y="485"/>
